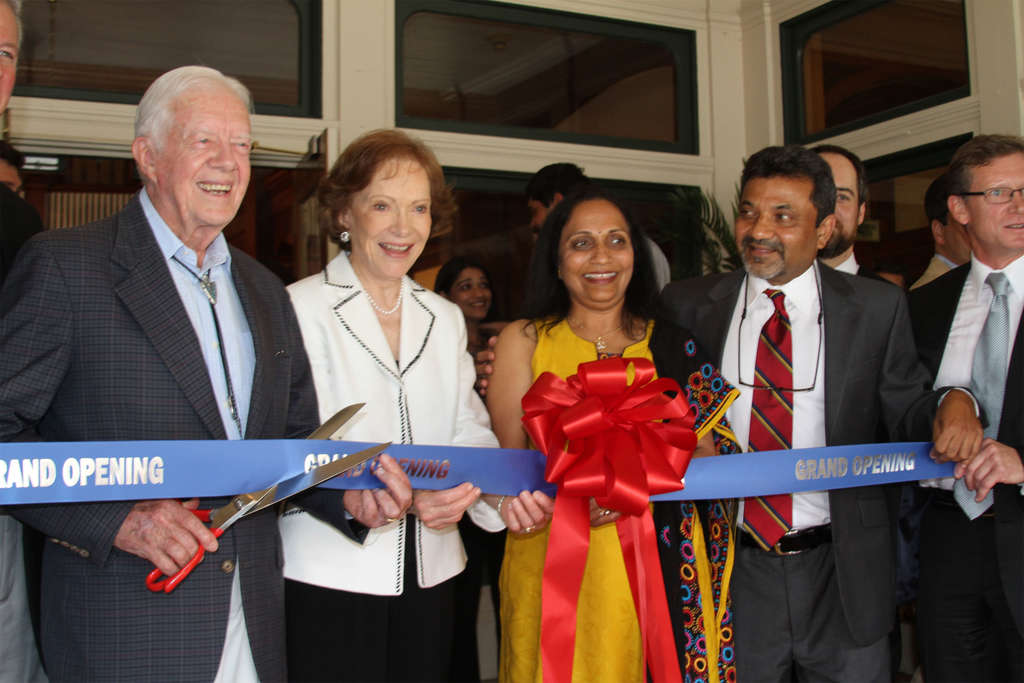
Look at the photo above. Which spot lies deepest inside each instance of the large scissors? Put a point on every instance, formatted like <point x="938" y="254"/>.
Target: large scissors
<point x="248" y="503"/>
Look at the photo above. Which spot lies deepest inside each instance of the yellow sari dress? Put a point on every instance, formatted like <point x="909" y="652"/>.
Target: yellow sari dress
<point x="608" y="644"/>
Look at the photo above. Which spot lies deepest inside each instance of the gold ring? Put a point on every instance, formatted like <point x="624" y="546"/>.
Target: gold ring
<point x="389" y="520"/>
<point x="605" y="512"/>
<point x="528" y="530"/>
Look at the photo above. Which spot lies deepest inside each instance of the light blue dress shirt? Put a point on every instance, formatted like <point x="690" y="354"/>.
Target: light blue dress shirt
<point x="234" y="326"/>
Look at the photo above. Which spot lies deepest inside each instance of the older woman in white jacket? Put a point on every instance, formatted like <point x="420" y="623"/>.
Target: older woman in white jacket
<point x="378" y="606"/>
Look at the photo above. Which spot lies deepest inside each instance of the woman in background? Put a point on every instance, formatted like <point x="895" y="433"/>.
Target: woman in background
<point x="380" y="608"/>
<point x="468" y="284"/>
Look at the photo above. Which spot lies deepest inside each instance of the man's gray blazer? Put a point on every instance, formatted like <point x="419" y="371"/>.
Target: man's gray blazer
<point x="871" y="376"/>
<point x="95" y="345"/>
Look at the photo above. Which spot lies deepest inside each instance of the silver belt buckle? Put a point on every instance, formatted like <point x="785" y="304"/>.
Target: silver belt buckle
<point x="777" y="548"/>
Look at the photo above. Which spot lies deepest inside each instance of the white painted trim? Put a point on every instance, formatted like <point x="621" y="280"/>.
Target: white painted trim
<point x="687" y="14"/>
<point x="739" y="95"/>
<point x="920" y="128"/>
<point x="526" y="156"/>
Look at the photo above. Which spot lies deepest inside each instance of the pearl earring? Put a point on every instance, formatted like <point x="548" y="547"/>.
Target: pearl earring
<point x="344" y="237"/>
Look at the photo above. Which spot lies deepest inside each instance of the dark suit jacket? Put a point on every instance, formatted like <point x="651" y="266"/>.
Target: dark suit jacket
<point x="868" y="273"/>
<point x="96" y="345"/>
<point x="932" y="308"/>
<point x="18" y="222"/>
<point x="871" y="374"/>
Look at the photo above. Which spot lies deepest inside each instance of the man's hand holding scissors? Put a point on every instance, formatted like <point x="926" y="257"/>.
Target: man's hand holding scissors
<point x="174" y="537"/>
<point x="165" y="532"/>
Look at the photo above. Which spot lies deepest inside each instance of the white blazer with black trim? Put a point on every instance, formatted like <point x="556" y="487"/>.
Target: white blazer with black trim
<point x="426" y="397"/>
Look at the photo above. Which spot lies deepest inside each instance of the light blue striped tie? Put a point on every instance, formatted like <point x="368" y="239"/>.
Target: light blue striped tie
<point x="988" y="378"/>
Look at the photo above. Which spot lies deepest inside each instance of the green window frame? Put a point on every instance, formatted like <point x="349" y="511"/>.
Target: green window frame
<point x="680" y="42"/>
<point x="310" y="43"/>
<point x="793" y="35"/>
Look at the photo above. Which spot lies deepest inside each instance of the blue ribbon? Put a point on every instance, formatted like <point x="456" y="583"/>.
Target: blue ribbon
<point x="808" y="469"/>
<point x="133" y="470"/>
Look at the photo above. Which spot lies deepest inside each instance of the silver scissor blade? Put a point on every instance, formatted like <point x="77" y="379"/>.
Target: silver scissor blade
<point x="237" y="507"/>
<point x="318" y="475"/>
<point x="335" y="422"/>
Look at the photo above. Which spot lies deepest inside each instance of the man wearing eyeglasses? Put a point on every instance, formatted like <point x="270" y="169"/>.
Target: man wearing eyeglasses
<point x="971" y="599"/>
<point x="820" y="358"/>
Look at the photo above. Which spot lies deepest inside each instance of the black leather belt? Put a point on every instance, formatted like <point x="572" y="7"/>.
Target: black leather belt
<point x="794" y="542"/>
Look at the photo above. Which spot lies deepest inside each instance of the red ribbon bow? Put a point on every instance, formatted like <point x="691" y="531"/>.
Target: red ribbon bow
<point x="604" y="438"/>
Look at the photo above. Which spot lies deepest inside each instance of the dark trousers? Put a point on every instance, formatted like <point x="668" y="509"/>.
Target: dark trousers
<point x="484" y="551"/>
<point x="965" y="627"/>
<point x="340" y="636"/>
<point x="790" y="624"/>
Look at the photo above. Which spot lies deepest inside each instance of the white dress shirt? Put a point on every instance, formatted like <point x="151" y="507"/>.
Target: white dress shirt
<point x="234" y="326"/>
<point x="803" y="305"/>
<point x="236" y="663"/>
<point x="662" y="270"/>
<point x="971" y="312"/>
<point x="850" y="265"/>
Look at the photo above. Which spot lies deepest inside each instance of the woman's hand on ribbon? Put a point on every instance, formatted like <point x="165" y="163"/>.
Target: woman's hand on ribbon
<point x="377" y="507"/>
<point x="439" y="509"/>
<point x="600" y="516"/>
<point x="527" y="512"/>
<point x="705" y="447"/>
<point x="612" y="438"/>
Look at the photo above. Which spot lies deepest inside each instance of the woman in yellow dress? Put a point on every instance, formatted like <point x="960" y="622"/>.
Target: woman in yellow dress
<point x="592" y="295"/>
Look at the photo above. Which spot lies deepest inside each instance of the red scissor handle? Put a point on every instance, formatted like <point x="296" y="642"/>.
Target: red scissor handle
<point x="157" y="582"/>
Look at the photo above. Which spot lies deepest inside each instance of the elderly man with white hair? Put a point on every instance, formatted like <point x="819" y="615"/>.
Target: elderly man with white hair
<point x="147" y="325"/>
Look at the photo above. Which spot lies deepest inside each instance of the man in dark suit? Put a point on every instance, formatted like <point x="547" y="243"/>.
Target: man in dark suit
<point x="851" y="182"/>
<point x="951" y="246"/>
<point x="147" y="325"/>
<point x="971" y="602"/>
<point x="818" y="602"/>
<point x="18" y="222"/>
<point x="98" y="341"/>
<point x="19" y="659"/>
<point x="11" y="161"/>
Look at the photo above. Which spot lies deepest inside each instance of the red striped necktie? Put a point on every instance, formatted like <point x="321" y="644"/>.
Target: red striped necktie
<point x="768" y="518"/>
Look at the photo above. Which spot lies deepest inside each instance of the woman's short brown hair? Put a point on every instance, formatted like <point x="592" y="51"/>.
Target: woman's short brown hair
<point x="356" y="166"/>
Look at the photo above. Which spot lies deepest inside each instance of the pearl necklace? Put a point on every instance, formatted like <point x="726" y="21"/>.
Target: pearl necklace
<point x="599" y="343"/>
<point x="391" y="310"/>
